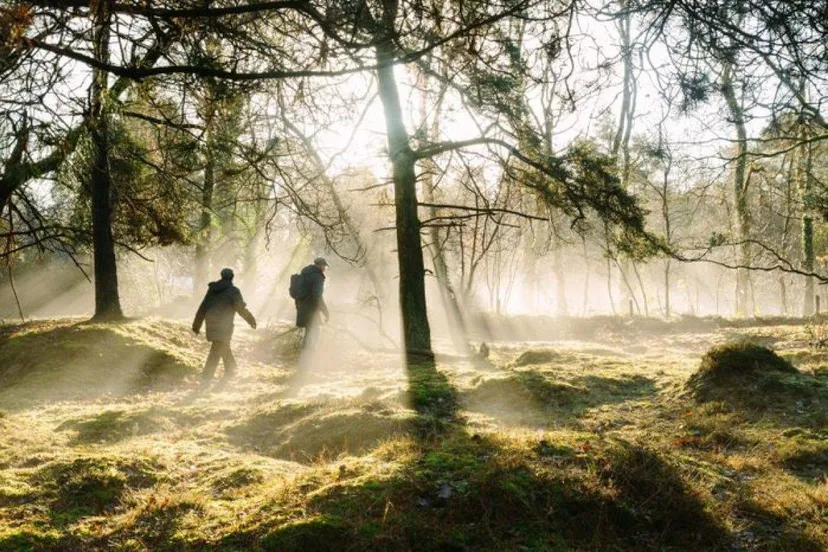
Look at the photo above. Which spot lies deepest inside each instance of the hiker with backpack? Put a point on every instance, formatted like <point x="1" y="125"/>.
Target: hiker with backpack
<point x="307" y="289"/>
<point x="219" y="307"/>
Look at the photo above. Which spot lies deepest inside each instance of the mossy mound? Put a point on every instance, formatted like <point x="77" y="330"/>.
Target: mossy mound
<point x="749" y="375"/>
<point x="804" y="455"/>
<point x="90" y="485"/>
<point x="521" y="395"/>
<point x="537" y="356"/>
<point x="237" y="478"/>
<point x="304" y="433"/>
<point x="68" y="360"/>
<point x="742" y="358"/>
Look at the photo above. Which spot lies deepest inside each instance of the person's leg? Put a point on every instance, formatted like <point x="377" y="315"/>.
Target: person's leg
<point x="229" y="361"/>
<point x="212" y="362"/>
<point x="312" y="333"/>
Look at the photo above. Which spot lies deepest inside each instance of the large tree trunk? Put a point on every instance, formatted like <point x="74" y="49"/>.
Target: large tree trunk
<point x="739" y="190"/>
<point x="416" y="334"/>
<point x="107" y="301"/>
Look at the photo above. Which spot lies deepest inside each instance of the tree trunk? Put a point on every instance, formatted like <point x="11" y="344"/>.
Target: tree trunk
<point x="807" y="232"/>
<point x="585" y="308"/>
<point x="668" y="227"/>
<point x="621" y="141"/>
<point x="562" y="307"/>
<point x="628" y="297"/>
<point x="739" y="190"/>
<point x="609" y="286"/>
<point x="641" y="287"/>
<point x="107" y="300"/>
<point x="786" y="228"/>
<point x="416" y="334"/>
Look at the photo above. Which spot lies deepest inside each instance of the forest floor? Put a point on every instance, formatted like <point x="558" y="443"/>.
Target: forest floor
<point x="107" y="443"/>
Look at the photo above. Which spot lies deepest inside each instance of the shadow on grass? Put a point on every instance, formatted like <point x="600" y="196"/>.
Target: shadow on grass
<point x="29" y="540"/>
<point x="113" y="426"/>
<point x="767" y="530"/>
<point x="308" y="432"/>
<point x="435" y="487"/>
<point x="461" y="491"/>
<point x="467" y="492"/>
<point x="432" y="396"/>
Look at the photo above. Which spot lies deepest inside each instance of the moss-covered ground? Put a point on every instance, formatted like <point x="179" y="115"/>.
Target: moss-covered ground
<point x="624" y="441"/>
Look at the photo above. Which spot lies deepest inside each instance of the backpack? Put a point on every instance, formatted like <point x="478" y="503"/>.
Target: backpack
<point x="298" y="289"/>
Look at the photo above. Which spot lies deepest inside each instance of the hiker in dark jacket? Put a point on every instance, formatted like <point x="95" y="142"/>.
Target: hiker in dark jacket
<point x="312" y="303"/>
<point x="219" y="307"/>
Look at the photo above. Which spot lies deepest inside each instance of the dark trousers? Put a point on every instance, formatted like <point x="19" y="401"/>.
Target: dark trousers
<point x="311" y="334"/>
<point x="219" y="350"/>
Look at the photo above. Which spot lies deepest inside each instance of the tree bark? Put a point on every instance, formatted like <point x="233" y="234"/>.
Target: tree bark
<point x="807" y="229"/>
<point x="107" y="300"/>
<point x="786" y="228"/>
<point x="416" y="333"/>
<point x="739" y="189"/>
<point x="561" y="306"/>
<point x="668" y="228"/>
<point x="585" y="307"/>
<point x="621" y="140"/>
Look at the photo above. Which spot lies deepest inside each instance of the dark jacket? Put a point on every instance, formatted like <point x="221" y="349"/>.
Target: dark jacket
<point x="308" y="306"/>
<point x="219" y="307"/>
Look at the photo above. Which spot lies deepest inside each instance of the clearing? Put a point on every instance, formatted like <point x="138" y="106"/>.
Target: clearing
<point x="605" y="440"/>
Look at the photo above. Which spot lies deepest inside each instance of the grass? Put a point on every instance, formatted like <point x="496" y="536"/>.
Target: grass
<point x="106" y="443"/>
